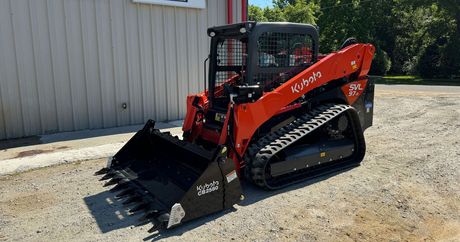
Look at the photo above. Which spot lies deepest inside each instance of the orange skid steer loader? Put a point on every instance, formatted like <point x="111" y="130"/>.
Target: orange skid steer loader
<point x="272" y="112"/>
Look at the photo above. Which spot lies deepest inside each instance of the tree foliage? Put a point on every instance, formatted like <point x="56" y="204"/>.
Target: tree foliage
<point x="411" y="37"/>
<point x="301" y="12"/>
<point x="256" y="14"/>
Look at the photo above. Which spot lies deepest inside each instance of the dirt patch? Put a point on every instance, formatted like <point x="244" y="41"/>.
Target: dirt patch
<point x="407" y="189"/>
<point x="28" y="202"/>
<point x="38" y="151"/>
<point x="3" y="237"/>
<point x="31" y="153"/>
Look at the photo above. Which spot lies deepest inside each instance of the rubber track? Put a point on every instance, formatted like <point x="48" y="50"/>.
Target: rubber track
<point x="260" y="153"/>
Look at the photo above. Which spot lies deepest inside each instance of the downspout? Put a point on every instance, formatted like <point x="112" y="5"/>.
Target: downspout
<point x="229" y="21"/>
<point x="229" y="11"/>
<point x="244" y="10"/>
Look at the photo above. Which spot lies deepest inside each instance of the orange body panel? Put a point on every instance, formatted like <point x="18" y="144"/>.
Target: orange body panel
<point x="353" y="90"/>
<point x="352" y="61"/>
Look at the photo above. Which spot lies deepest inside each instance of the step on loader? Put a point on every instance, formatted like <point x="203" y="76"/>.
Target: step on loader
<point x="273" y="112"/>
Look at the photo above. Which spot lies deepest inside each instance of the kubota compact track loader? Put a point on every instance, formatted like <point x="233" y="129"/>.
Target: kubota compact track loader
<point x="273" y="112"/>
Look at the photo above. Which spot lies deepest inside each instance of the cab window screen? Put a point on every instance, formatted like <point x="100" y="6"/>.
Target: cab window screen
<point x="231" y="53"/>
<point x="284" y="49"/>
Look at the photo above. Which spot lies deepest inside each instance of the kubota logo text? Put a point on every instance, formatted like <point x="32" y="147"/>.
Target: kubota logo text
<point x="207" y="188"/>
<point x="305" y="82"/>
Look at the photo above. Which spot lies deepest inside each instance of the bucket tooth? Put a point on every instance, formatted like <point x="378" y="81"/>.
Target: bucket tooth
<point x="132" y="200"/>
<point x="163" y="218"/>
<point x="148" y="215"/>
<point x="111" y="182"/>
<point x="138" y="208"/>
<point x="159" y="222"/>
<point x="142" y="223"/>
<point x="124" y="193"/>
<point x="119" y="186"/>
<point x="107" y="176"/>
<point x="156" y="227"/>
<point x="153" y="229"/>
<point x="117" y="176"/>
<point x="101" y="171"/>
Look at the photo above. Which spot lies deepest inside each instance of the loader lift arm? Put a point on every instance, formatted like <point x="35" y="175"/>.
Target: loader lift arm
<point x="344" y="63"/>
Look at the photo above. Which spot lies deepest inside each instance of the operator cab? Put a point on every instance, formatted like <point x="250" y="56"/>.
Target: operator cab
<point x="275" y="53"/>
<point x="250" y="58"/>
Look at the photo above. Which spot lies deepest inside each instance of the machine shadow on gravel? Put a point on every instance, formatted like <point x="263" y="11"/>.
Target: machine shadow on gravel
<point x="109" y="213"/>
<point x="254" y="195"/>
<point x="178" y="231"/>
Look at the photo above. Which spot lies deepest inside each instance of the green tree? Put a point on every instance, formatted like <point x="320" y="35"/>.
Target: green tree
<point x="430" y="61"/>
<point x="255" y="13"/>
<point x="411" y="37"/>
<point x="282" y="3"/>
<point x="274" y="14"/>
<point x="440" y="57"/>
<point x="451" y="8"/>
<point x="381" y="63"/>
<point x="301" y="12"/>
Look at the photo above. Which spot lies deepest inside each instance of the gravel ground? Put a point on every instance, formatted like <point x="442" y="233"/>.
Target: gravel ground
<point x="407" y="189"/>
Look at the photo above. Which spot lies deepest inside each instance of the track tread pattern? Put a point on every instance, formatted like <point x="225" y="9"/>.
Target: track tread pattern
<point x="261" y="151"/>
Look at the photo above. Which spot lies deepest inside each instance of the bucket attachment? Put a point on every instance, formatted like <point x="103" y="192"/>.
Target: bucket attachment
<point x="172" y="181"/>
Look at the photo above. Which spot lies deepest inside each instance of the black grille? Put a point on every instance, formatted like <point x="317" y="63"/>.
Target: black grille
<point x="284" y="49"/>
<point x="231" y="52"/>
<point x="222" y="76"/>
<point x="281" y="56"/>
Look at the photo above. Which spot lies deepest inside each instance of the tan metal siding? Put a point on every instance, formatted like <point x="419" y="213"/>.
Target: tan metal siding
<point x="159" y="65"/>
<point x="43" y="67"/>
<point x="90" y="63"/>
<point x="9" y="85"/>
<point x="70" y="65"/>
<point x="23" y="47"/>
<point x="146" y="43"/>
<point x="105" y="60"/>
<point x="60" y="67"/>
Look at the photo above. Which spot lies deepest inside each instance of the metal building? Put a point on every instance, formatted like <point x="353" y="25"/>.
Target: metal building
<point x="84" y="64"/>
